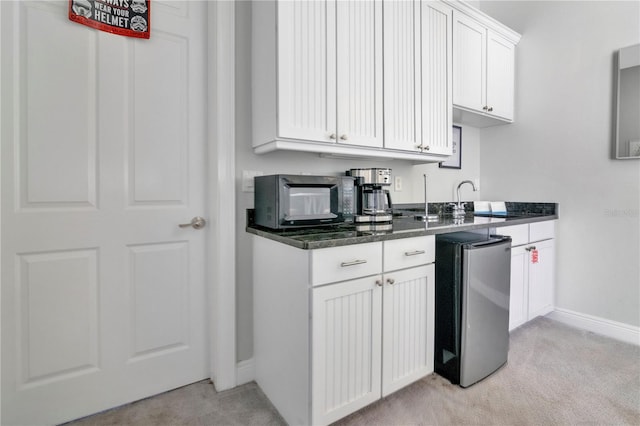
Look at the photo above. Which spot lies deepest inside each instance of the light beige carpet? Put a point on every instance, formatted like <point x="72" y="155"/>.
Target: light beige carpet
<point x="556" y="375"/>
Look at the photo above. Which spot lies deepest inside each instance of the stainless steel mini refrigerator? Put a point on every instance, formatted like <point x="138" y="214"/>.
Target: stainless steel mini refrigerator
<point x="472" y="305"/>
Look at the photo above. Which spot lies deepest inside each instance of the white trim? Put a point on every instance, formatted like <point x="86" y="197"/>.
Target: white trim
<point x="245" y="372"/>
<point x="346" y="151"/>
<point x="221" y="91"/>
<point x="615" y="330"/>
<point x="1" y="138"/>
<point x="486" y="20"/>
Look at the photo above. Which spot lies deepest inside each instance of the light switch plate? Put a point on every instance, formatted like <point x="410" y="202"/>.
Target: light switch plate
<point x="247" y="179"/>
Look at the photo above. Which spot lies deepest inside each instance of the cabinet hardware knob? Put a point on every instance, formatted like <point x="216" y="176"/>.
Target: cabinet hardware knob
<point x="332" y="136"/>
<point x="490" y="109"/>
<point x="391" y="281"/>
<point x="414" y="253"/>
<point x="353" y="263"/>
<point x="426" y="148"/>
<point x="485" y="108"/>
<point x="530" y="248"/>
<point x="379" y="283"/>
<point x="343" y="137"/>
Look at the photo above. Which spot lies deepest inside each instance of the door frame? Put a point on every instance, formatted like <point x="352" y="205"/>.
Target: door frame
<point x="221" y="193"/>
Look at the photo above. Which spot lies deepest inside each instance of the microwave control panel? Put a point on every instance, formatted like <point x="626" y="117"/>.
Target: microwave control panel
<point x="348" y="199"/>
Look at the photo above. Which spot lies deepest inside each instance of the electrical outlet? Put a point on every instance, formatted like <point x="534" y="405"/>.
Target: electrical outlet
<point x="398" y="184"/>
<point x="247" y="180"/>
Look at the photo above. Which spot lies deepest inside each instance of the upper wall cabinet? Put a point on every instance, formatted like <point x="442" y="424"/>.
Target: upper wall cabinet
<point x="483" y="69"/>
<point x="417" y="76"/>
<point x="330" y="71"/>
<point x="318" y="78"/>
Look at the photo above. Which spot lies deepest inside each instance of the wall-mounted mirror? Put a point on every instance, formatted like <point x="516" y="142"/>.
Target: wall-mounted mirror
<point x="627" y="140"/>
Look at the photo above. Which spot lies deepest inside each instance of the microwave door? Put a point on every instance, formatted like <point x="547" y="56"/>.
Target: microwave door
<point x="309" y="204"/>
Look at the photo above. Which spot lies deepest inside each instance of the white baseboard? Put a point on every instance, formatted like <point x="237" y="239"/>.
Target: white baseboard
<point x="245" y="372"/>
<point x="615" y="330"/>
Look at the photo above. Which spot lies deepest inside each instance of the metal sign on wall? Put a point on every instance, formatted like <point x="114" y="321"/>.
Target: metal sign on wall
<point x="129" y="18"/>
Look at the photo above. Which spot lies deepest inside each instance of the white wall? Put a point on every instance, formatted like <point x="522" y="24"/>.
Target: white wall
<point x="560" y="147"/>
<point x="441" y="181"/>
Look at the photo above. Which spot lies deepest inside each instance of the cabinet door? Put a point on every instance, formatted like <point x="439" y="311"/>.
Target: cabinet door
<point x="436" y="59"/>
<point x="408" y="326"/>
<point x="518" y="291"/>
<point x="359" y="69"/>
<point x="500" y="76"/>
<point x="469" y="46"/>
<point x="541" y="278"/>
<point x="306" y="70"/>
<point x="346" y="352"/>
<point x="402" y="128"/>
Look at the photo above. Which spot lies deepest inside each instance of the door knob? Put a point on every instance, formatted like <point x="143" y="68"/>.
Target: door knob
<point x="196" y="223"/>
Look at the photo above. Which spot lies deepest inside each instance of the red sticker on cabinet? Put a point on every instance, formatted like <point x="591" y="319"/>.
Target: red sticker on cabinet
<point x="534" y="256"/>
<point x="129" y="18"/>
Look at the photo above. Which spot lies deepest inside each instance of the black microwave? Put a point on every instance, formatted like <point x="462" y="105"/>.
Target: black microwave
<point x="293" y="201"/>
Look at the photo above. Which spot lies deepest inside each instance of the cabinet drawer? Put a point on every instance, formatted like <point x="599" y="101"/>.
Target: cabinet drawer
<point x="344" y="263"/>
<point x="408" y="252"/>
<point x="519" y="234"/>
<point x="542" y="231"/>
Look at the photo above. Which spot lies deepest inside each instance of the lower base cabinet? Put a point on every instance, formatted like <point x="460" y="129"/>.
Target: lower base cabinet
<point x="346" y="357"/>
<point x="364" y="338"/>
<point x="532" y="271"/>
<point x="540" y="288"/>
<point x="371" y="337"/>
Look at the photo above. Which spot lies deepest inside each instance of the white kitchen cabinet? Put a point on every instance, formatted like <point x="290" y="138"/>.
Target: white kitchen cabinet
<point x="346" y="341"/>
<point x="319" y="63"/>
<point x="532" y="271"/>
<point x="483" y="70"/>
<point x="541" y="279"/>
<point x="330" y="71"/>
<point x="325" y="350"/>
<point x="359" y="70"/>
<point x="371" y="336"/>
<point x="408" y="326"/>
<point x="500" y="82"/>
<point x="518" y="298"/>
<point x="306" y="63"/>
<point x="417" y="76"/>
<point x="317" y="78"/>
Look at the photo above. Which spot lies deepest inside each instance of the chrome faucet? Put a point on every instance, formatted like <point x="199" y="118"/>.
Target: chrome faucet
<point x="458" y="209"/>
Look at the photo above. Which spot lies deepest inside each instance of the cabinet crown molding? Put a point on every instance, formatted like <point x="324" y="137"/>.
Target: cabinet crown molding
<point x="488" y="21"/>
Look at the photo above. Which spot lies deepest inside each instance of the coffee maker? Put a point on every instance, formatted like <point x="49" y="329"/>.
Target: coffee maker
<point x="374" y="202"/>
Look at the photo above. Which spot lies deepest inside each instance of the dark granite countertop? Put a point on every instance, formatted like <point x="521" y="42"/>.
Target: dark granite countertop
<point x="404" y="226"/>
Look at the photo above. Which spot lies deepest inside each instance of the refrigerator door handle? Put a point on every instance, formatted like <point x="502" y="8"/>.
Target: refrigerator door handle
<point x="494" y="240"/>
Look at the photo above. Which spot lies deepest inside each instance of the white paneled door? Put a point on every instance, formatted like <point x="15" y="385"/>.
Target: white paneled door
<point x="103" y="150"/>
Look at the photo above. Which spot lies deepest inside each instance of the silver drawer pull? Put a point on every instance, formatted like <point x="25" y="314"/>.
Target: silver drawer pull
<point x="352" y="263"/>
<point x="414" y="253"/>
